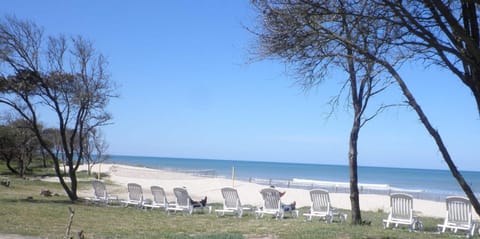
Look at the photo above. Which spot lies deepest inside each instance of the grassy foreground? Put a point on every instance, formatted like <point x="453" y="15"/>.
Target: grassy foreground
<point x="23" y="211"/>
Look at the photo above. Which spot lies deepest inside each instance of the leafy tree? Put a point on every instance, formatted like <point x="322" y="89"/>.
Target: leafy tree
<point x="8" y="147"/>
<point x="64" y="78"/>
<point x="18" y="145"/>
<point x="27" y="144"/>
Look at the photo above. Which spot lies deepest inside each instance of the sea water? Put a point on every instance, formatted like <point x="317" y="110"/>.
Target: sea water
<point x="421" y="183"/>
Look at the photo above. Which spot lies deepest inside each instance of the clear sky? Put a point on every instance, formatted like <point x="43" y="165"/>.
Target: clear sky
<point x="188" y="89"/>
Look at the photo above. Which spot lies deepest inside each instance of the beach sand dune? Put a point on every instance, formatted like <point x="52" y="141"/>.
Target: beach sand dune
<point x="199" y="187"/>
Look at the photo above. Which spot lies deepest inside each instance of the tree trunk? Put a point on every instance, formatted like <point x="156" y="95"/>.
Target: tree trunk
<point x="21" y="166"/>
<point x="438" y="140"/>
<point x="69" y="225"/>
<point x="475" y="88"/>
<point x="470" y="24"/>
<point x="73" y="179"/>
<point x="9" y="165"/>
<point x="44" y="157"/>
<point x="71" y="191"/>
<point x="89" y="164"/>
<point x="72" y="194"/>
<point x="353" y="140"/>
<point x="352" y="156"/>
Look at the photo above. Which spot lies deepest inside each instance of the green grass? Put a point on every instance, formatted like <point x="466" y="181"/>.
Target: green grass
<point x="23" y="211"/>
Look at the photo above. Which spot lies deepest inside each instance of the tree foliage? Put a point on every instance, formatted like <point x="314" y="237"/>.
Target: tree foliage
<point x="444" y="33"/>
<point x="18" y="146"/>
<point x="60" y="77"/>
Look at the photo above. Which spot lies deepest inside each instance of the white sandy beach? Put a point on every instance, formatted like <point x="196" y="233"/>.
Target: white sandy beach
<point x="199" y="187"/>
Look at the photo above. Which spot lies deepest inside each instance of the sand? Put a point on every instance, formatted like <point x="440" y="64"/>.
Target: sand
<point x="199" y="187"/>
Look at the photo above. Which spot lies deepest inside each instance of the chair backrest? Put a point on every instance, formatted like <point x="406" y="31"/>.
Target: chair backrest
<point x="459" y="210"/>
<point x="99" y="189"/>
<point x="271" y="199"/>
<point x="135" y="192"/>
<point x="183" y="199"/>
<point x="159" y="196"/>
<point x="401" y="206"/>
<point x="320" y="200"/>
<point x="230" y="198"/>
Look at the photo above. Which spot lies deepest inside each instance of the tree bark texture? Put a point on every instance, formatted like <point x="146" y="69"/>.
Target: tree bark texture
<point x="352" y="159"/>
<point x="438" y="140"/>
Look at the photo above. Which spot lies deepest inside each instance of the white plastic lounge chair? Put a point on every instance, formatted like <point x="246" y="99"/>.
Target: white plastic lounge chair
<point x="183" y="202"/>
<point x="159" y="199"/>
<point x="135" y="195"/>
<point x="100" y="193"/>
<point x="231" y="203"/>
<point x="459" y="216"/>
<point x="322" y="208"/>
<point x="272" y="204"/>
<point x="401" y="212"/>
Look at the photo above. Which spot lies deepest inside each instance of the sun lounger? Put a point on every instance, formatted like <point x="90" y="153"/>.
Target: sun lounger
<point x="322" y="208"/>
<point x="159" y="199"/>
<point x="401" y="212"/>
<point x="183" y="202"/>
<point x="459" y="216"/>
<point x="135" y="195"/>
<point x="231" y="203"/>
<point x="272" y="205"/>
<point x="100" y="193"/>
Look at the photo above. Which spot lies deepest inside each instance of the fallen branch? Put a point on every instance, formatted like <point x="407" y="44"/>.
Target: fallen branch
<point x="67" y="233"/>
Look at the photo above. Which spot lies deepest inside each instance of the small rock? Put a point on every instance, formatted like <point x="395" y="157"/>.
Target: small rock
<point x="5" y="182"/>
<point x="46" y="193"/>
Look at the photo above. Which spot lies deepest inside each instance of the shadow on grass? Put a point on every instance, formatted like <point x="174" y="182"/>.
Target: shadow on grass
<point x="29" y="174"/>
<point x="38" y="201"/>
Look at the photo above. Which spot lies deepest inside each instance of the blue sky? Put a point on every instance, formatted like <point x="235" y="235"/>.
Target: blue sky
<point x="189" y="89"/>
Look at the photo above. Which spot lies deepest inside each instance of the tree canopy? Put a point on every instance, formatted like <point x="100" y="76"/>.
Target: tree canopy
<point x="64" y="76"/>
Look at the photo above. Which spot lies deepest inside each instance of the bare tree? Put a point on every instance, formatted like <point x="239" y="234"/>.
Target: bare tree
<point x="422" y="32"/>
<point x="444" y="33"/>
<point x="293" y="31"/>
<point x="65" y="78"/>
<point x="428" y="126"/>
<point x="447" y="34"/>
<point x="430" y="31"/>
<point x="95" y="148"/>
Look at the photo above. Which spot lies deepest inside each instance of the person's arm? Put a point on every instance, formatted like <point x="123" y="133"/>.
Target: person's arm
<point x="282" y="193"/>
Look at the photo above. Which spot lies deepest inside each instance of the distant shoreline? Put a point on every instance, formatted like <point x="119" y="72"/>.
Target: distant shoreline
<point x="430" y="184"/>
<point x="283" y="162"/>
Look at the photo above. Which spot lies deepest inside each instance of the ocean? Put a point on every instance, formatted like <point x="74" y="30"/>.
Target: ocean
<point x="421" y="183"/>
